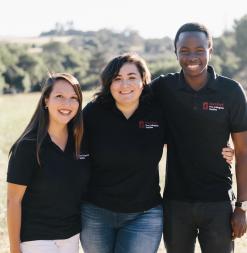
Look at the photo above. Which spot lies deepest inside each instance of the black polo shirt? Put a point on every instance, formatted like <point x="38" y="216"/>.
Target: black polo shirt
<point x="125" y="156"/>
<point x="199" y="124"/>
<point x="51" y="203"/>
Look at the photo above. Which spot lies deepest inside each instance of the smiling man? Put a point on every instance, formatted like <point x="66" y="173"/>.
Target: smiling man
<point x="203" y="109"/>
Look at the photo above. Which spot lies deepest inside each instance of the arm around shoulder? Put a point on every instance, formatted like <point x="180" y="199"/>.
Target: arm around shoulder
<point x="239" y="219"/>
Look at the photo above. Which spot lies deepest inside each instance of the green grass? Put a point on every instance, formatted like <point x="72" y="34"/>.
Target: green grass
<point x="15" y="111"/>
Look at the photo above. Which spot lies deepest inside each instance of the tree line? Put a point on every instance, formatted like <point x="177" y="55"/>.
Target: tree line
<point x="23" y="66"/>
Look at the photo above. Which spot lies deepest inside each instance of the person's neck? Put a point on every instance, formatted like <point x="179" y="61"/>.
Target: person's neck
<point x="58" y="134"/>
<point x="128" y="109"/>
<point x="198" y="82"/>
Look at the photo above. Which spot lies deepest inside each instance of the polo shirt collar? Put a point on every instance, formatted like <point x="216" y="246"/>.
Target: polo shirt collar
<point x="69" y="145"/>
<point x="144" y="104"/>
<point x="211" y="84"/>
<point x="143" y="107"/>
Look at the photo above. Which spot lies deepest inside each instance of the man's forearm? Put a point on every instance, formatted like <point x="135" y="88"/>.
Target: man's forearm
<point x="241" y="176"/>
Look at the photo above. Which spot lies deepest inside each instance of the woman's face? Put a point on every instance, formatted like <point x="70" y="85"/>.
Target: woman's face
<point x="62" y="104"/>
<point x="127" y="86"/>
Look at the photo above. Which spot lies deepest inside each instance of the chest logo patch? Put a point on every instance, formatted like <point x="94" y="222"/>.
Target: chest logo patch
<point x="210" y="106"/>
<point x="148" y="124"/>
<point x="83" y="156"/>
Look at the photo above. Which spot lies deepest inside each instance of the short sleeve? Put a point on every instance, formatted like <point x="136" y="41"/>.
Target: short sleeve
<point x="165" y="129"/>
<point x="86" y="132"/>
<point x="84" y="144"/>
<point x="156" y="85"/>
<point x="86" y="112"/>
<point x="22" y="163"/>
<point x="238" y="110"/>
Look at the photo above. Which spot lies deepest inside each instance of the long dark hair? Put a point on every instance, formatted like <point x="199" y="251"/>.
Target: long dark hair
<point x="111" y="71"/>
<point x="38" y="126"/>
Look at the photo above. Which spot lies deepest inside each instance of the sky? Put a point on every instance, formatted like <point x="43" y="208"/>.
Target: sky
<point x="151" y="18"/>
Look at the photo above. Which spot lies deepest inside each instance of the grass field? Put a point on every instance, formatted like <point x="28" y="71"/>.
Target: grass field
<point x="15" y="111"/>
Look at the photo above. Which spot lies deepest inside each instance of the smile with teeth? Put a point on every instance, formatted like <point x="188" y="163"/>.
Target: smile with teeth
<point x="192" y="67"/>
<point x="64" y="111"/>
<point x="126" y="92"/>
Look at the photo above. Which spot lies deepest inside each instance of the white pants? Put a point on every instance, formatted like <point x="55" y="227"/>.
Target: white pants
<point x="70" y="245"/>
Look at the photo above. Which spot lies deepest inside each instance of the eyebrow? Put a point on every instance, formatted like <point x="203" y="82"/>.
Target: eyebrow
<point x="129" y="74"/>
<point x="62" y="92"/>
<point x="184" y="47"/>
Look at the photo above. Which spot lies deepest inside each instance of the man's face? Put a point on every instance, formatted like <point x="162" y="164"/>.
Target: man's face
<point x="193" y="53"/>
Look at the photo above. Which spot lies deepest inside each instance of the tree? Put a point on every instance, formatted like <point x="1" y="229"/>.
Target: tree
<point x="61" y="57"/>
<point x="163" y="66"/>
<point x="17" y="79"/>
<point x="7" y="56"/>
<point x="224" y="59"/>
<point x="240" y="28"/>
<point x="34" y="66"/>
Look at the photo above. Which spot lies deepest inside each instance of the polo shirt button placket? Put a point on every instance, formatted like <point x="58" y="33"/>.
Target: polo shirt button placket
<point x="195" y="107"/>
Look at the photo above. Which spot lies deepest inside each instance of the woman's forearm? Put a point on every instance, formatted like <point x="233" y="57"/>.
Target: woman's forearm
<point x="14" y="224"/>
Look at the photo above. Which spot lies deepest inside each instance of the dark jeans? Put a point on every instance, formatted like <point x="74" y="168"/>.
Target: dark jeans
<point x="210" y="222"/>
<point x="105" y="231"/>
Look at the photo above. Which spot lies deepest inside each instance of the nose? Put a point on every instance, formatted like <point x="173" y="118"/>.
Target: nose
<point x="67" y="101"/>
<point x="125" y="82"/>
<point x="193" y="56"/>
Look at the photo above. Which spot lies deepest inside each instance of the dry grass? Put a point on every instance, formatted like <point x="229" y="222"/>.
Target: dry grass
<point x="15" y="112"/>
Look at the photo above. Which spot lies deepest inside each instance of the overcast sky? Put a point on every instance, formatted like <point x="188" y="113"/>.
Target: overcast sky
<point x="152" y="18"/>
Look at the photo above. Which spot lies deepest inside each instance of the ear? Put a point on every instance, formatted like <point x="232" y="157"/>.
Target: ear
<point x="210" y="52"/>
<point x="46" y="101"/>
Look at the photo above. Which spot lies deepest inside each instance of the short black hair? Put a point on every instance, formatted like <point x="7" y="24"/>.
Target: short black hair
<point x="193" y="27"/>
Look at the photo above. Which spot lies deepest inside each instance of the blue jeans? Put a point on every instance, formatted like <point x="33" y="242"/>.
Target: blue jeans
<point x="104" y="231"/>
<point x="207" y="221"/>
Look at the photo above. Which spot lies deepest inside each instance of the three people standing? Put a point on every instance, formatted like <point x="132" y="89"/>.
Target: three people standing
<point x="193" y="111"/>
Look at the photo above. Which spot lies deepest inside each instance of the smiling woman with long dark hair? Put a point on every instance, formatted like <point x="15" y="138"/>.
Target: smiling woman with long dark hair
<point x="48" y="174"/>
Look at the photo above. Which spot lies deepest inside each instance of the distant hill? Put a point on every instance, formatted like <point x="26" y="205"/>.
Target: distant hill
<point x="34" y="40"/>
<point x="24" y="61"/>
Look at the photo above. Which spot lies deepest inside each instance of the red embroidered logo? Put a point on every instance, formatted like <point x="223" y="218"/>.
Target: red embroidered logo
<point x="148" y="124"/>
<point x="141" y="124"/>
<point x="205" y="106"/>
<point x="212" y="106"/>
